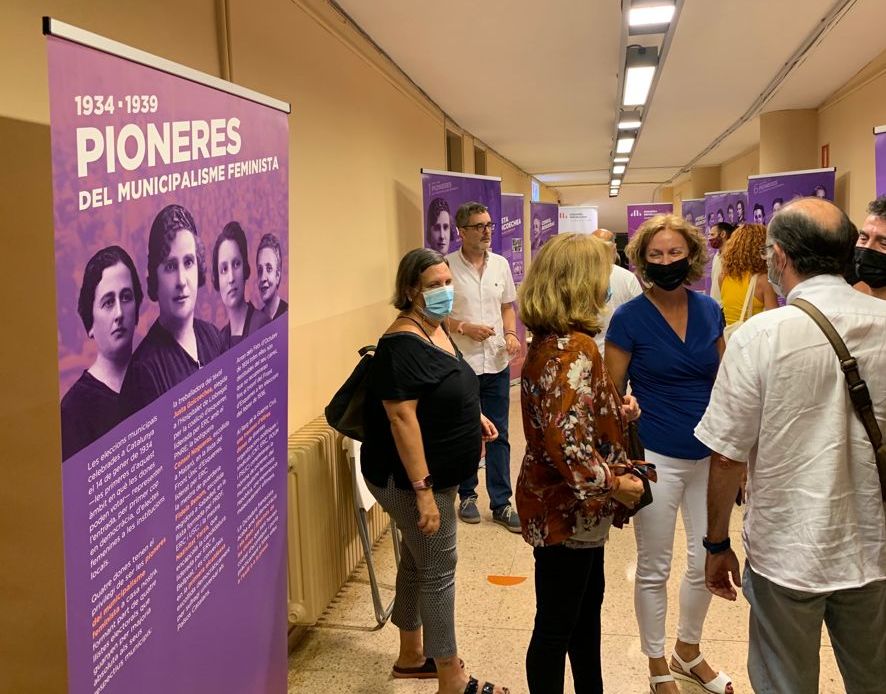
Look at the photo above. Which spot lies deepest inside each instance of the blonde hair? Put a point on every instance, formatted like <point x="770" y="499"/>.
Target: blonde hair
<point x="565" y="288"/>
<point x="742" y="253"/>
<point x="698" y="254"/>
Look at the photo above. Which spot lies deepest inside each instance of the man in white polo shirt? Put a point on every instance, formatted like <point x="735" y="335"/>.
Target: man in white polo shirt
<point x="623" y="286"/>
<point x="483" y="324"/>
<point x="814" y="526"/>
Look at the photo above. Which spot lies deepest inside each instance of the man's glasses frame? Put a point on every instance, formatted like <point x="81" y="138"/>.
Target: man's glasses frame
<point x="488" y="226"/>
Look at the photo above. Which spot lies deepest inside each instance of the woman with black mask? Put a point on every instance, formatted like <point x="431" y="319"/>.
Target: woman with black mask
<point x="667" y="343"/>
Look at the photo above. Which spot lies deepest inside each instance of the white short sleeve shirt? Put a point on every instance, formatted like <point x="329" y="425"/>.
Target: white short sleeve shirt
<point x="478" y="299"/>
<point x="815" y="518"/>
<point x="625" y="286"/>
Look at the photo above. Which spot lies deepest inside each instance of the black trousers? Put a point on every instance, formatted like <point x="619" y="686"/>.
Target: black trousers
<point x="569" y="585"/>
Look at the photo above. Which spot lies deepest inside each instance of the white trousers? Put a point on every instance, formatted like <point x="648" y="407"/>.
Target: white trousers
<point x="681" y="484"/>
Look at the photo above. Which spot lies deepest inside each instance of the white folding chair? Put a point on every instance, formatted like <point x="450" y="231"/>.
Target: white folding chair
<point x="363" y="503"/>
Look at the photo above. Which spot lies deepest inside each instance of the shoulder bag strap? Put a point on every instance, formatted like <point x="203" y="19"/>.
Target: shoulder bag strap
<point x="748" y="299"/>
<point x="858" y="389"/>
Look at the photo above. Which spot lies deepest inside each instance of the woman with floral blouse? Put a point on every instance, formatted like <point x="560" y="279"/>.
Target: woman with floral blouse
<point x="576" y="471"/>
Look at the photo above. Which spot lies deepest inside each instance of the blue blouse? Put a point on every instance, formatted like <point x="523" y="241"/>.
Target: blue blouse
<point x="671" y="379"/>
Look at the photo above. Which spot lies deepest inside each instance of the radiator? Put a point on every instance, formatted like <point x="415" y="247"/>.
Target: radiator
<point x="324" y="544"/>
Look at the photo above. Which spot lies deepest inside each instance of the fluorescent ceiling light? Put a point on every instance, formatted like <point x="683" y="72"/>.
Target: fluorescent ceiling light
<point x="624" y="145"/>
<point x="629" y="124"/>
<point x="638" y="81"/>
<point x="640" y="65"/>
<point x="618" y="169"/>
<point x="644" y="16"/>
<point x="613" y="192"/>
<point x="621" y="160"/>
<point x="630" y="120"/>
<point x="615" y="182"/>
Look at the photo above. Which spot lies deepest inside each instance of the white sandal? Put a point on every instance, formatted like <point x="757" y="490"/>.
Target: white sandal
<point x="655" y="680"/>
<point x="717" y="685"/>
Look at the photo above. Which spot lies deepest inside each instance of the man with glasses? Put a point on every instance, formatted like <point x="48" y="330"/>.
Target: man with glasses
<point x="814" y="529"/>
<point x="483" y="324"/>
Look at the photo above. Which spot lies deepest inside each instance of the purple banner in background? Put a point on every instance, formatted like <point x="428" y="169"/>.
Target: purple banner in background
<point x="730" y="206"/>
<point x="637" y="214"/>
<point x="544" y="223"/>
<point x="693" y="212"/>
<point x="767" y="193"/>
<point x="880" y="159"/>
<point x="171" y="234"/>
<point x="443" y="193"/>
<point x="512" y="233"/>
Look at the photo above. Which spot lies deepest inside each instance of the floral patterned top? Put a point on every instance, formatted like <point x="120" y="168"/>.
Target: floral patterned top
<point x="574" y="433"/>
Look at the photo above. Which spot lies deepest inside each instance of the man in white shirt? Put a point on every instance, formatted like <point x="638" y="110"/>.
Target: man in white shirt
<point x="814" y="527"/>
<point x="623" y="286"/>
<point x="483" y="324"/>
<point x="718" y="237"/>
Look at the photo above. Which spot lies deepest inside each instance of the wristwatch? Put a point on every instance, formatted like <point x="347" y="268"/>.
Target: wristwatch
<point x="716" y="547"/>
<point x="426" y="483"/>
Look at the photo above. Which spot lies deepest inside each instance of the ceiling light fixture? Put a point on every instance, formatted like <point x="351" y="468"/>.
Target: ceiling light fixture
<point x="624" y="145"/>
<point x="618" y="169"/>
<point x="630" y="120"/>
<point x="615" y="183"/>
<point x="640" y="65"/>
<point x="613" y="192"/>
<point x="621" y="160"/>
<point x="656" y="14"/>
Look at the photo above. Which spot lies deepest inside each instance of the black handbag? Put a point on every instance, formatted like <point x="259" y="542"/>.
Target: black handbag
<point x="637" y="453"/>
<point x="344" y="413"/>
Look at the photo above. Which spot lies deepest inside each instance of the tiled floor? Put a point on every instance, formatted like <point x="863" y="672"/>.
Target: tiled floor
<point x="344" y="653"/>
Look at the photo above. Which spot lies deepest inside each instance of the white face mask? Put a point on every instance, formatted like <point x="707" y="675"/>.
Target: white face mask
<point x="774" y="276"/>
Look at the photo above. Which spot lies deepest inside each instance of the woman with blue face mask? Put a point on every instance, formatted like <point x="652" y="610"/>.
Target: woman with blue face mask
<point x="424" y="435"/>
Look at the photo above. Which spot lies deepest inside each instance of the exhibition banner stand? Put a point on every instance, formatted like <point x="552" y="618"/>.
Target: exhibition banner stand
<point x="768" y="192"/>
<point x="880" y="159"/>
<point x="544" y="223"/>
<point x="693" y="211"/>
<point x="579" y="219"/>
<point x="443" y="192"/>
<point x="512" y="250"/>
<point x="639" y="213"/>
<point x="730" y="206"/>
<point x="170" y="193"/>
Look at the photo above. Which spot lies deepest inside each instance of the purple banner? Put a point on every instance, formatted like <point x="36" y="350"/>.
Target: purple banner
<point x="544" y="223"/>
<point x="693" y="212"/>
<point x="637" y="214"/>
<point x="171" y="235"/>
<point x="730" y="206"/>
<point x="767" y="193"/>
<point x="880" y="159"/>
<point x="512" y="233"/>
<point x="443" y="193"/>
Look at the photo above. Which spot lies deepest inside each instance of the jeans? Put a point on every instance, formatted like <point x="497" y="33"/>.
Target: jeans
<point x="569" y="585"/>
<point x="785" y="636"/>
<point x="682" y="484"/>
<point x="494" y="403"/>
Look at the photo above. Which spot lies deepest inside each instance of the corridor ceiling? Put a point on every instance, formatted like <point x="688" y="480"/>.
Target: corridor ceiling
<point x="537" y="81"/>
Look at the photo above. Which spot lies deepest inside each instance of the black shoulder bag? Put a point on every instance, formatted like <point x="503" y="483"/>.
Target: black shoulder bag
<point x="344" y="413"/>
<point x="858" y="389"/>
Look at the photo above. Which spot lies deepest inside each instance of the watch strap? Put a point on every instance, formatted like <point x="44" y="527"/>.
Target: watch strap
<point x="716" y="547"/>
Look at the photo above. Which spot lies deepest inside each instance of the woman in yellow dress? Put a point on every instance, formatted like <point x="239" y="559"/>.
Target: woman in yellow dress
<point x="744" y="258"/>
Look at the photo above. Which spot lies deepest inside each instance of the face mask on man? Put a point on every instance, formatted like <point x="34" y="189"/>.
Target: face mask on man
<point x="716" y="242"/>
<point x="438" y="302"/>
<point x="870" y="267"/>
<point x="670" y="276"/>
<point x="774" y="276"/>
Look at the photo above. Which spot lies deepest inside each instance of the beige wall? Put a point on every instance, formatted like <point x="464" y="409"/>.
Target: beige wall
<point x="788" y="140"/>
<point x="360" y="132"/>
<point x="845" y="122"/>
<point x="734" y="173"/>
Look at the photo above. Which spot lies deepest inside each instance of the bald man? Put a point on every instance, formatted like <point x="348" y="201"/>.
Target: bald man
<point x="622" y="283"/>
<point x="780" y="412"/>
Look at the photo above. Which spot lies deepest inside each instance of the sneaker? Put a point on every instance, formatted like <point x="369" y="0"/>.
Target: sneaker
<point x="468" y="511"/>
<point x="507" y="517"/>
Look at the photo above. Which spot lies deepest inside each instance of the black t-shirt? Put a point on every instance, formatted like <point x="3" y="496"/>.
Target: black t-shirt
<point x="408" y="367"/>
<point x="89" y="410"/>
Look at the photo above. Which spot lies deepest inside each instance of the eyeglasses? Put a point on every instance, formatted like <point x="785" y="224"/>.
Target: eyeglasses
<point x="764" y="252"/>
<point x="489" y="226"/>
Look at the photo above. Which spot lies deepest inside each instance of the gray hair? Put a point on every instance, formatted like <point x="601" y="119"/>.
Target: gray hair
<point x="878" y="207"/>
<point x="813" y="247"/>
<point x="465" y="211"/>
<point x="409" y="274"/>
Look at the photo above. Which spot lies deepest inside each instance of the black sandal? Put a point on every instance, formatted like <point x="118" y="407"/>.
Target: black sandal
<point x="488" y="687"/>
